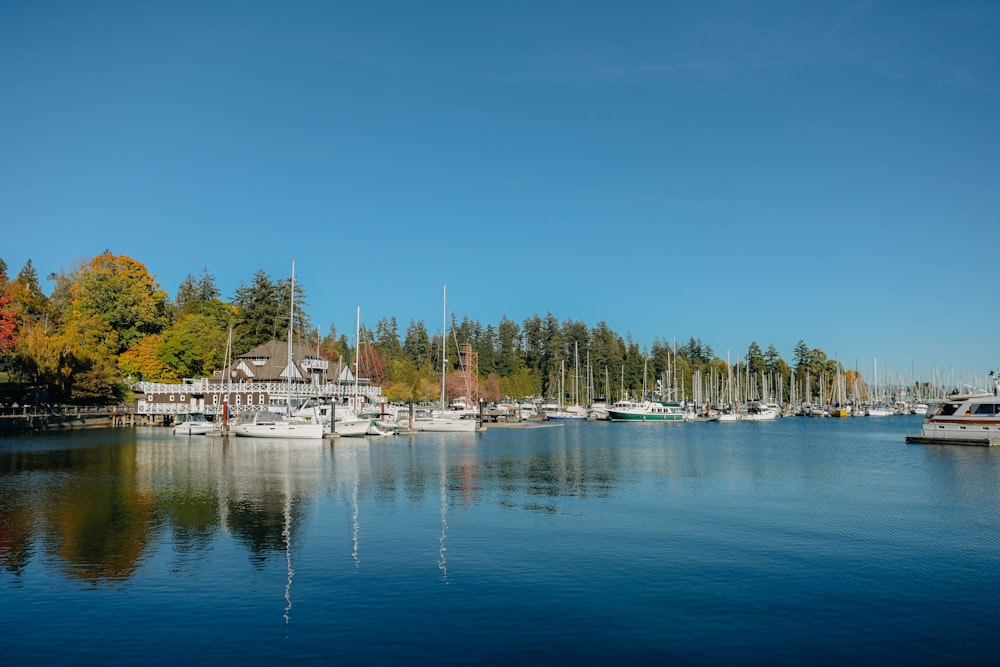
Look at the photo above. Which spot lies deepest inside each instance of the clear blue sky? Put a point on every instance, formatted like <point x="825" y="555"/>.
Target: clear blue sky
<point x="733" y="171"/>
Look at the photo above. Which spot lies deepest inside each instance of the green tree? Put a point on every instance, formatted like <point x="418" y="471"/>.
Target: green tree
<point x="261" y="313"/>
<point x="387" y="339"/>
<point x="634" y="367"/>
<point x="756" y="364"/>
<point x="534" y="345"/>
<point x="194" y="347"/>
<point x="417" y="345"/>
<point x="509" y="358"/>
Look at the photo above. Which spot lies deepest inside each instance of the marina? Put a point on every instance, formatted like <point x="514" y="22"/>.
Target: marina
<point x="795" y="541"/>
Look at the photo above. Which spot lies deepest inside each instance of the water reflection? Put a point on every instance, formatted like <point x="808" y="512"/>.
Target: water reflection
<point x="566" y="544"/>
<point x="96" y="506"/>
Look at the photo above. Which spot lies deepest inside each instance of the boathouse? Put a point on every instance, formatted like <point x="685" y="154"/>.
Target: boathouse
<point x="261" y="378"/>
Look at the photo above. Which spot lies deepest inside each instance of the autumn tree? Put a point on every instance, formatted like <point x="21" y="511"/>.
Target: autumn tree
<point x="8" y="317"/>
<point x="121" y="293"/>
<point x="140" y="362"/>
<point x="27" y="298"/>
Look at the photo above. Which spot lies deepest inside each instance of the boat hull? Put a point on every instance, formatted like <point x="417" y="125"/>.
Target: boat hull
<point x="278" y="428"/>
<point x="645" y="411"/>
<point x="193" y="429"/>
<point x="352" y="428"/>
<point x="641" y="417"/>
<point x="445" y="425"/>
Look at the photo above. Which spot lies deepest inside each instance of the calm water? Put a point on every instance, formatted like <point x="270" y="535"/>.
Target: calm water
<point x="800" y="541"/>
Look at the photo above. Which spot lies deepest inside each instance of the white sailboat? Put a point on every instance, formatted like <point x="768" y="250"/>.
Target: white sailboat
<point x="269" y="424"/>
<point x="440" y="421"/>
<point x="877" y="406"/>
<point x="733" y="414"/>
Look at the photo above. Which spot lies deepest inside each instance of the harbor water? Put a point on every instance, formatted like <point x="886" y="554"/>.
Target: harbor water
<point x="798" y="541"/>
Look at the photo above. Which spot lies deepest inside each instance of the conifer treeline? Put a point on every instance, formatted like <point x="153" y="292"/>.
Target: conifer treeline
<point x="107" y="324"/>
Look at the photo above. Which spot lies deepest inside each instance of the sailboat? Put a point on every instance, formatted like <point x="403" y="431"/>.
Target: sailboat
<point x="341" y="419"/>
<point x="440" y="421"/>
<point x="574" y="412"/>
<point x="839" y="406"/>
<point x="877" y="407"/>
<point x="733" y="411"/>
<point x="273" y="424"/>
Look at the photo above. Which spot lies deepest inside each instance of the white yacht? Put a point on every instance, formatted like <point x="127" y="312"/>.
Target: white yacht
<point x="967" y="419"/>
<point x="340" y="418"/>
<point x="193" y="423"/>
<point x="442" y="422"/>
<point x="758" y="411"/>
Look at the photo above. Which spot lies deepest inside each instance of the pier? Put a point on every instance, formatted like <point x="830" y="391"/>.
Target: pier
<point x="38" y="418"/>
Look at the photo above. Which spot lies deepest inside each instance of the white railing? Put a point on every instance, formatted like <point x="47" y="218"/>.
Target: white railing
<point x="277" y="392"/>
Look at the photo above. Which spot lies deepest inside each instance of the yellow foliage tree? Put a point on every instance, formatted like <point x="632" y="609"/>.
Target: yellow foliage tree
<point x="140" y="362"/>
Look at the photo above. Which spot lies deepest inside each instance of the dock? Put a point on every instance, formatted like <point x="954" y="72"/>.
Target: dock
<point x="968" y="442"/>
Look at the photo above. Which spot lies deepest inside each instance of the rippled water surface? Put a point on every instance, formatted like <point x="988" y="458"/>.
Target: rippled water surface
<point x="801" y="541"/>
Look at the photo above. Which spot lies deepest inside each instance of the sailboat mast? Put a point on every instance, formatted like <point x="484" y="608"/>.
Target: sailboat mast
<point x="291" y="325"/>
<point x="357" y="358"/>
<point x="444" y="339"/>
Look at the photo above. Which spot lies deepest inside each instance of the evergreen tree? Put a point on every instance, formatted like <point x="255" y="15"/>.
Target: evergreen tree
<point x="261" y="313"/>
<point x="387" y="340"/>
<point x="508" y="348"/>
<point x="417" y="345"/>
<point x="534" y="344"/>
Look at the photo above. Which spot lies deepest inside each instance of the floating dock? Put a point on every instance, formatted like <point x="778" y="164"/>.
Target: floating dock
<point x="931" y="440"/>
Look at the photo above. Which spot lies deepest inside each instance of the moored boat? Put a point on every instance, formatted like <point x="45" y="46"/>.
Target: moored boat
<point x="193" y="423"/>
<point x="645" y="411"/>
<point x="758" y="411"/>
<point x="442" y="422"/>
<point x="567" y="413"/>
<point x="598" y="409"/>
<point x="267" y="424"/>
<point x="966" y="419"/>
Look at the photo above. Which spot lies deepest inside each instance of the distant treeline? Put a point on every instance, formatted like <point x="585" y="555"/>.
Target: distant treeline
<point x="106" y="324"/>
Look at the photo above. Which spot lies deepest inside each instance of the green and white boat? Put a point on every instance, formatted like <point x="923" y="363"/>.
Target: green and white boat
<point x="645" y="411"/>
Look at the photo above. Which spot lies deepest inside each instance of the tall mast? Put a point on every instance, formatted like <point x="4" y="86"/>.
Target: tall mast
<point x="357" y="358"/>
<point x="291" y="325"/>
<point x="444" y="339"/>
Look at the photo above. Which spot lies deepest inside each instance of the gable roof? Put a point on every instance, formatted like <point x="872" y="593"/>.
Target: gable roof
<point x="269" y="362"/>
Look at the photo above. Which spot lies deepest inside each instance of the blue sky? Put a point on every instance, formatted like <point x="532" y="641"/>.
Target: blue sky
<point x="732" y="171"/>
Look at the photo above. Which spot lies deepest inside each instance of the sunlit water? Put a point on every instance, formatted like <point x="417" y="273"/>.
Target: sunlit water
<point x="802" y="541"/>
